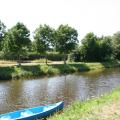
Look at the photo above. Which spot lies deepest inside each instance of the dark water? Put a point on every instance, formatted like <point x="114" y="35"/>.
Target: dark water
<point x="17" y="94"/>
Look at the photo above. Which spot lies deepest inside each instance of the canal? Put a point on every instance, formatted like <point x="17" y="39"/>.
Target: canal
<point x="18" y="94"/>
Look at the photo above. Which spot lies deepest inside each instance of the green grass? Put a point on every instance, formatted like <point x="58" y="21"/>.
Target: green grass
<point x="91" y="109"/>
<point x="31" y="71"/>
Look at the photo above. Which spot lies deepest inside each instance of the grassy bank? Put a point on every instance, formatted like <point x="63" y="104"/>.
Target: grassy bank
<point x="31" y="71"/>
<point x="104" y="108"/>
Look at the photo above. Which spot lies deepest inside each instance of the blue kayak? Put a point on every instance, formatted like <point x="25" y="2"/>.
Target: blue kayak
<point x="33" y="113"/>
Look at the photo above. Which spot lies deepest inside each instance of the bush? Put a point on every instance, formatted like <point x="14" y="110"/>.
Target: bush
<point x="75" y="56"/>
<point x="52" y="56"/>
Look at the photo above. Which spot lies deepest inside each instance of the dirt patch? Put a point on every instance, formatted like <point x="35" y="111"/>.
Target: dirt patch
<point x="109" y="112"/>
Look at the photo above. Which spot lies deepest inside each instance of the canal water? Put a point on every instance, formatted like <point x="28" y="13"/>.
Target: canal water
<point x="18" y="94"/>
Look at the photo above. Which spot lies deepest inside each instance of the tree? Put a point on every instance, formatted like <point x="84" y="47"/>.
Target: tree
<point x="105" y="48"/>
<point x="2" y="33"/>
<point x="96" y="49"/>
<point x="16" y="41"/>
<point x="90" y="47"/>
<point x="116" y="45"/>
<point x="44" y="37"/>
<point x="66" y="39"/>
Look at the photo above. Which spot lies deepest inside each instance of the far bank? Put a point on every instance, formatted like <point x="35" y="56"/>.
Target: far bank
<point x="34" y="71"/>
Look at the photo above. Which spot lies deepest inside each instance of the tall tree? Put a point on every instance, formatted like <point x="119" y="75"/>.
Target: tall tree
<point x="2" y="33"/>
<point x="90" y="47"/>
<point x="116" y="44"/>
<point x="44" y="37"/>
<point x="105" y="48"/>
<point x="66" y="39"/>
<point x="17" y="41"/>
<point x="95" y="48"/>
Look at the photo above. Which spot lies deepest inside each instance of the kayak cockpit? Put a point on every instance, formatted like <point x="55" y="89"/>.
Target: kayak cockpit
<point x="32" y="112"/>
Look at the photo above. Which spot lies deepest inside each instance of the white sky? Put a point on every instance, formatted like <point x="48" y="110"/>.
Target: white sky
<point x="99" y="16"/>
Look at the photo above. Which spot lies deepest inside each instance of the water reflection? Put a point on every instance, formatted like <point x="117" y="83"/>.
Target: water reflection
<point x="29" y="93"/>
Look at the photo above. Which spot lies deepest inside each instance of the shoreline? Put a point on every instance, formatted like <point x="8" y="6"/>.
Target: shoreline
<point x="40" y="70"/>
<point x="105" y="107"/>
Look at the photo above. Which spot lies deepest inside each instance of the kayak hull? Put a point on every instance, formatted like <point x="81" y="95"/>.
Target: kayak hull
<point x="33" y="113"/>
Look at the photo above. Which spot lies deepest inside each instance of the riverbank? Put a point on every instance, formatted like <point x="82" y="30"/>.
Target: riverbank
<point x="106" y="107"/>
<point x="27" y="71"/>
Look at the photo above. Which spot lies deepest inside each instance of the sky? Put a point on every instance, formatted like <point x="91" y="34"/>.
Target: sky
<point x="99" y="16"/>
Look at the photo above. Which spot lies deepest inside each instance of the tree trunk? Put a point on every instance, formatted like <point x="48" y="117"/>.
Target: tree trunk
<point x="46" y="58"/>
<point x="19" y="61"/>
<point x="64" y="58"/>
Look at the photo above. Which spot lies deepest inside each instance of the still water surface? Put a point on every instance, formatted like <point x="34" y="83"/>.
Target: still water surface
<point x="17" y="94"/>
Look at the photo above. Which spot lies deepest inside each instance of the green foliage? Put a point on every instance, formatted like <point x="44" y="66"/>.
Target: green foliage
<point x="93" y="49"/>
<point x="90" y="47"/>
<point x="33" y="56"/>
<point x="66" y="39"/>
<point x="44" y="36"/>
<point x="52" y="56"/>
<point x="6" y="73"/>
<point x="55" y="56"/>
<point x="16" y="41"/>
<point x="77" y="55"/>
<point x="32" y="71"/>
<point x="15" y="44"/>
<point x="105" y="48"/>
<point x="33" y="46"/>
<point x="116" y="45"/>
<point x="2" y="33"/>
